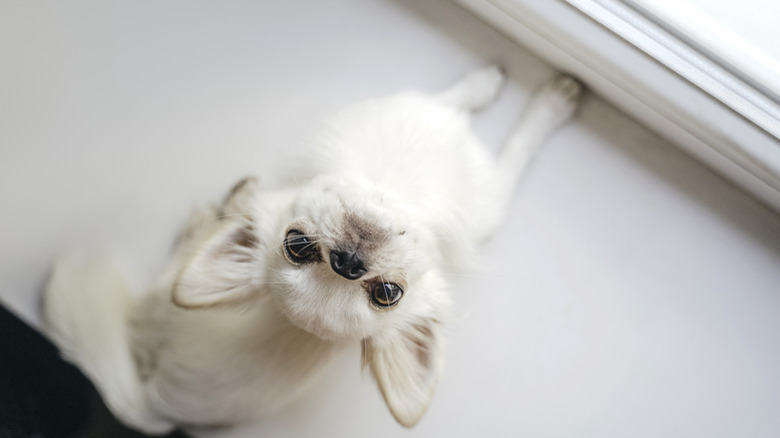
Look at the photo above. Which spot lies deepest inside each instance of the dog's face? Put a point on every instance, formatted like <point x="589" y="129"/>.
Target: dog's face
<point x="349" y="261"/>
<point x="345" y="261"/>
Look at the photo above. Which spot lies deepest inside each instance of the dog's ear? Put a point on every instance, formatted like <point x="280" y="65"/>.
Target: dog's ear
<point x="222" y="268"/>
<point x="406" y="364"/>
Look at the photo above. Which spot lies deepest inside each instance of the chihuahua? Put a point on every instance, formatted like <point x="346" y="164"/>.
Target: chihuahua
<point x="267" y="287"/>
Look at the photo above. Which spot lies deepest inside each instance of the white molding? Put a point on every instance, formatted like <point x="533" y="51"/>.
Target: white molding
<point x="719" y="38"/>
<point x="645" y="88"/>
<point x="689" y="62"/>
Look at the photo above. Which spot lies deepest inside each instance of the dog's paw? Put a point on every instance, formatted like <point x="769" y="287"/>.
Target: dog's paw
<point x="486" y="83"/>
<point x="558" y="99"/>
<point x="476" y="90"/>
<point x="563" y="94"/>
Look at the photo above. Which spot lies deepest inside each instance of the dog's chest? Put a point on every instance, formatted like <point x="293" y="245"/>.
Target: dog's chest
<point x="222" y="370"/>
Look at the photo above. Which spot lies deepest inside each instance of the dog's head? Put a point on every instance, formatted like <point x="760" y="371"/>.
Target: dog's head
<point x="345" y="261"/>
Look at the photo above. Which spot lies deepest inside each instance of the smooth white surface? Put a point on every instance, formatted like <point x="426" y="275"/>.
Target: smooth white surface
<point x="631" y="292"/>
<point x="742" y="33"/>
<point x="754" y="20"/>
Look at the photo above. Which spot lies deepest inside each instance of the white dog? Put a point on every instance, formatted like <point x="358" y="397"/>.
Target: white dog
<point x="266" y="288"/>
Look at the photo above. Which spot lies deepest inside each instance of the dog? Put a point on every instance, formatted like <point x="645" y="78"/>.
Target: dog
<point x="268" y="286"/>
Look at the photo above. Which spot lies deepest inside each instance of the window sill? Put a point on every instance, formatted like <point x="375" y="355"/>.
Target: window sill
<point x="591" y="41"/>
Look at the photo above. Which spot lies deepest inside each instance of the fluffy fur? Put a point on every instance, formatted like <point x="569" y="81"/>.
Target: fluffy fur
<point x="265" y="288"/>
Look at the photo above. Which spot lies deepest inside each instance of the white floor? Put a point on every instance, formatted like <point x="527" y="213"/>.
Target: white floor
<point x="630" y="293"/>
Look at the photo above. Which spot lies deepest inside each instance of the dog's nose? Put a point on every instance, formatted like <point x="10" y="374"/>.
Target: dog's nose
<point x="347" y="264"/>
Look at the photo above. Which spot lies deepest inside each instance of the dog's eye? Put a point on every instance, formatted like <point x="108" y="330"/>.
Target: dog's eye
<point x="299" y="248"/>
<point x="386" y="295"/>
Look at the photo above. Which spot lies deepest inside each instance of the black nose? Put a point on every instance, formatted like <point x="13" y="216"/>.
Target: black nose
<point x="347" y="264"/>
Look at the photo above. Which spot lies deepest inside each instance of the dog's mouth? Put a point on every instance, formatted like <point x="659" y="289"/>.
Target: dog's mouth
<point x="321" y="313"/>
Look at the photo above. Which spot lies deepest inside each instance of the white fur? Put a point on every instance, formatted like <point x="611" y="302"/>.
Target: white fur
<point x="234" y="328"/>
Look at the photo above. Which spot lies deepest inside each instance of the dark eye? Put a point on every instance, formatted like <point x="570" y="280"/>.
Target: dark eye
<point x="299" y="248"/>
<point x="386" y="295"/>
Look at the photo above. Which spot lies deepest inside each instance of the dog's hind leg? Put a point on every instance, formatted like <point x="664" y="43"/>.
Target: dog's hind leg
<point x="85" y="311"/>
<point x="549" y="108"/>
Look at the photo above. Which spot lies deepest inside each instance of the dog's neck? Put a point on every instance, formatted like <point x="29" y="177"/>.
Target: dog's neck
<point x="263" y="346"/>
